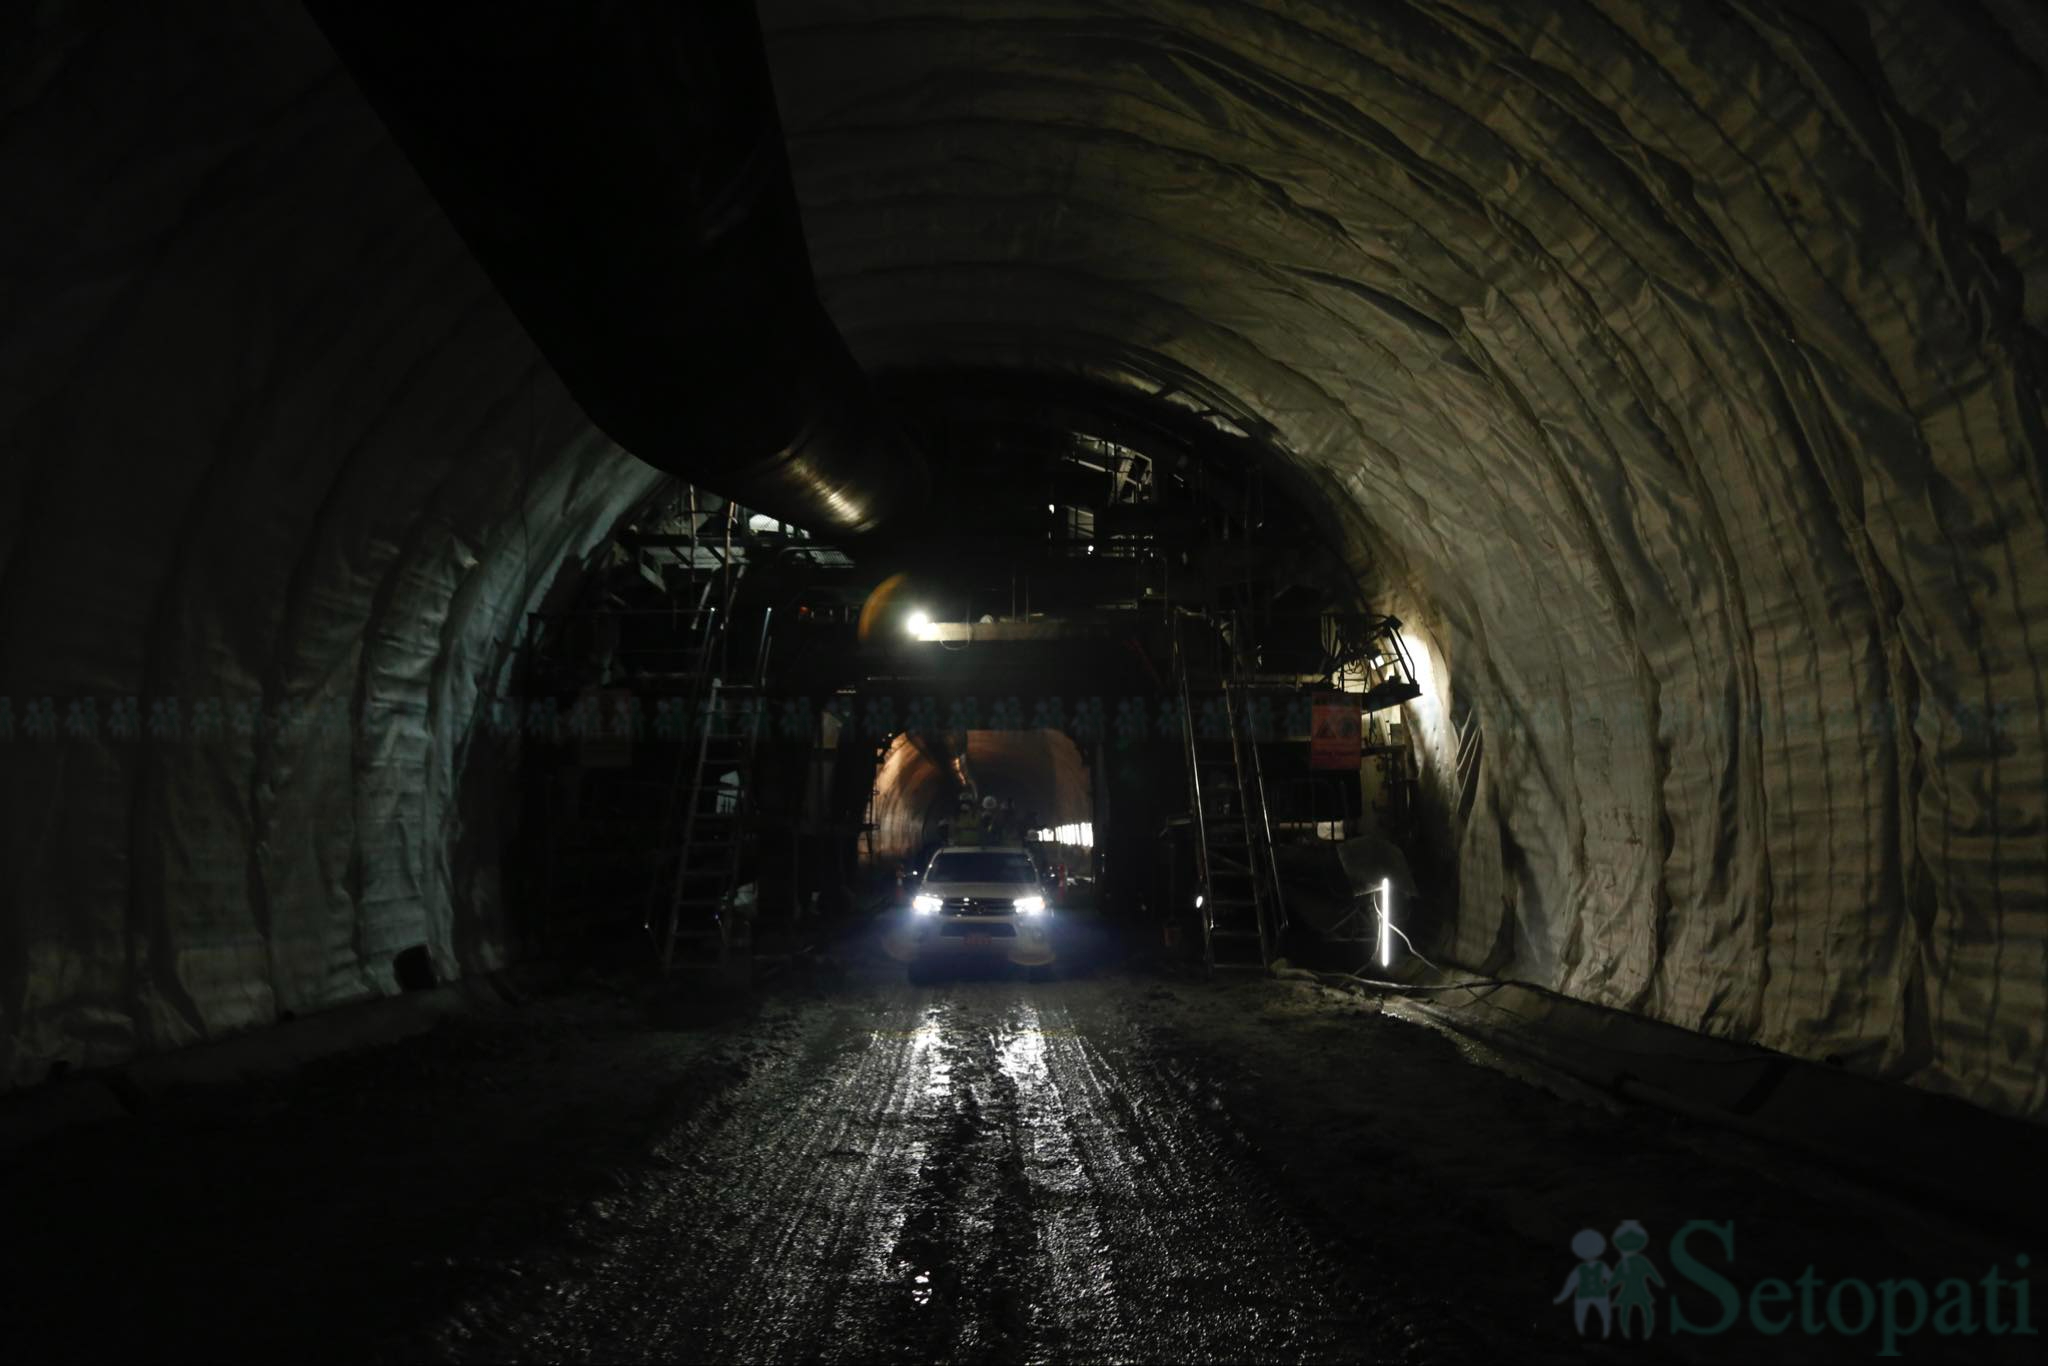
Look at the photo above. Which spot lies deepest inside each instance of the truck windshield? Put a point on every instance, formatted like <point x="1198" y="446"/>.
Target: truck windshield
<point x="979" y="866"/>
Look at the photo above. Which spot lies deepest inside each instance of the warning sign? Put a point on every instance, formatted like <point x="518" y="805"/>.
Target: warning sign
<point x="1334" y="737"/>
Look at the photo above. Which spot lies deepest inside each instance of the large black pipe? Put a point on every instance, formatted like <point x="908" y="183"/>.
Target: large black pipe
<point x="618" y="168"/>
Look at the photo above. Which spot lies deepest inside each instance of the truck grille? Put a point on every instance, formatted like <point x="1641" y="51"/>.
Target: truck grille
<point x="977" y="905"/>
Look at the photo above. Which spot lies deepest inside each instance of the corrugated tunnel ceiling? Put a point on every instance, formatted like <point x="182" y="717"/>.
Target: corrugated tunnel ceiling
<point x="1674" y="370"/>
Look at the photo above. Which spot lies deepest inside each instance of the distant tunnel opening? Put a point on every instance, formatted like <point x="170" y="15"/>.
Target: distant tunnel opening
<point x="929" y="786"/>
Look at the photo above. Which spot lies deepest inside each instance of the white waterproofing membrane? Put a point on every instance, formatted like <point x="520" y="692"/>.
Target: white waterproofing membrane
<point x="1678" y="368"/>
<point x="1675" y="368"/>
<point x="284" y="476"/>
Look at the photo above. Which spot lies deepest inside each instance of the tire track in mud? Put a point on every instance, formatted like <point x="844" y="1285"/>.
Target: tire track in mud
<point x="1078" y="1313"/>
<point x="1208" y="1267"/>
<point x="808" y="1184"/>
<point x="1411" y="1318"/>
<point x="720" y="1251"/>
<point x="956" y="1280"/>
<point x="981" y="1173"/>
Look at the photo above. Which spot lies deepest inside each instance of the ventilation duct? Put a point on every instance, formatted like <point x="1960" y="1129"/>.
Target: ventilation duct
<point x="619" y="171"/>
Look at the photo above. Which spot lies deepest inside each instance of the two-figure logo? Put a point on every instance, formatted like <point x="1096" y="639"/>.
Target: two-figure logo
<point x="1625" y="1286"/>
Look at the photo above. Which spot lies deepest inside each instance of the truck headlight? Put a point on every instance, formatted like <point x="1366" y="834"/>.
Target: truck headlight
<point x="1030" y="905"/>
<point x="925" y="905"/>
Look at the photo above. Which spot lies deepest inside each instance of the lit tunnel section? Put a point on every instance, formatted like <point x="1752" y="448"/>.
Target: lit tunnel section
<point x="923" y="781"/>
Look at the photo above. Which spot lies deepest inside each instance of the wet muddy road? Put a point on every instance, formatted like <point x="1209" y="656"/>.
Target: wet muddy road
<point x="1134" y="1166"/>
<point x="978" y="1170"/>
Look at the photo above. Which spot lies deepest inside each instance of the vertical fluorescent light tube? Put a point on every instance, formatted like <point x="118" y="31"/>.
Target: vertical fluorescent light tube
<point x="1386" y="922"/>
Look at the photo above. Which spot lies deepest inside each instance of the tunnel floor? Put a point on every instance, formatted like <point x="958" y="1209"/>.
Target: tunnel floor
<point x="1123" y="1165"/>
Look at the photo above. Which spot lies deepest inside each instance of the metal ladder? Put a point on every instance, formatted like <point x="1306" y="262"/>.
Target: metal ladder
<point x="608" y="842"/>
<point x="1243" y="907"/>
<point x="715" y="813"/>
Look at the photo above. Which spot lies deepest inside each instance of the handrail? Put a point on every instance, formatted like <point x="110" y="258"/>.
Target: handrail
<point x="705" y="596"/>
<point x="1272" y="859"/>
<point x="747" y="811"/>
<point x="708" y="625"/>
<point x="592" y="613"/>
<point x="1237" y="765"/>
<point x="1187" y="729"/>
<point x="702" y="627"/>
<point x="761" y="650"/>
<point x="675" y="901"/>
<point x="1392" y="629"/>
<point x="729" y="578"/>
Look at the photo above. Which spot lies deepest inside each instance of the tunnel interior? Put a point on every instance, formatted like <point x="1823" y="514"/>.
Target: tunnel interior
<point x="1040" y="772"/>
<point x="593" y="491"/>
<point x="1015" y="644"/>
<point x="1704" y="477"/>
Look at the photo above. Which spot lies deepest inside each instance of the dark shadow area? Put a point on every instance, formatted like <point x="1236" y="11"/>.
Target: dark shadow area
<point x="1233" y="1168"/>
<point x="318" y="1216"/>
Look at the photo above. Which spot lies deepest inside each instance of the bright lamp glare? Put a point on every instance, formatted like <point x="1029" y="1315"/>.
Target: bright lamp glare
<point x="925" y="905"/>
<point x="1030" y="905"/>
<point x="1386" y="922"/>
<point x="1198" y="901"/>
<point x="919" y="623"/>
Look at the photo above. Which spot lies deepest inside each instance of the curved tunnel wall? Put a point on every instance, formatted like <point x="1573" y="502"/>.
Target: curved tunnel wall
<point x="909" y="780"/>
<point x="1678" y="370"/>
<point x="284" y="477"/>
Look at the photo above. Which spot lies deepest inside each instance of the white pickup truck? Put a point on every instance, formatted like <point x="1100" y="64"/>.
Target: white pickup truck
<point x="985" y="903"/>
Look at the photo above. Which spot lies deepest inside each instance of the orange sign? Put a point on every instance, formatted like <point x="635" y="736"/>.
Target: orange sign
<point x="1334" y="736"/>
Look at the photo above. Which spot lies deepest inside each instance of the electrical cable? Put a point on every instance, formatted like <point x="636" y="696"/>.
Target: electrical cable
<point x="1416" y="986"/>
<point x="1493" y="984"/>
